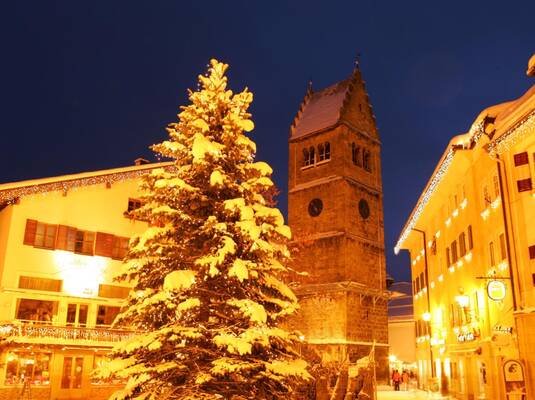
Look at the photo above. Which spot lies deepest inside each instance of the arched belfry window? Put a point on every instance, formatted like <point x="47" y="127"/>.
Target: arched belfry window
<point x="321" y="152"/>
<point x="311" y="156"/>
<point x="305" y="157"/>
<point x="308" y="156"/>
<point x="324" y="151"/>
<point x="355" y="154"/>
<point x="366" y="160"/>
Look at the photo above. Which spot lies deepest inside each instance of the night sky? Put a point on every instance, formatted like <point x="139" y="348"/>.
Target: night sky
<point x="88" y="85"/>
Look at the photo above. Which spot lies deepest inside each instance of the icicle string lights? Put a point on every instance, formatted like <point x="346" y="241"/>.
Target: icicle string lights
<point x="9" y="196"/>
<point x="511" y="137"/>
<point x="62" y="332"/>
<point x="437" y="178"/>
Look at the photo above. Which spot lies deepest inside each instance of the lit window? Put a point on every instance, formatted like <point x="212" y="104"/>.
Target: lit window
<point x="34" y="366"/>
<point x="327" y="151"/>
<point x="134" y="204"/>
<point x="45" y="235"/>
<point x="462" y="244"/>
<point x="120" y="247"/>
<point x="106" y="314"/>
<point x="36" y="310"/>
<point x="470" y="238"/>
<point x="84" y="241"/>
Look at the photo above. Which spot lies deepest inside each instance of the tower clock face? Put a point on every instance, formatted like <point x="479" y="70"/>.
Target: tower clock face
<point x="315" y="207"/>
<point x="364" y="209"/>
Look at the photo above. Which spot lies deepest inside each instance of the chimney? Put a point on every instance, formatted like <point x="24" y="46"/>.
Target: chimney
<point x="140" y="161"/>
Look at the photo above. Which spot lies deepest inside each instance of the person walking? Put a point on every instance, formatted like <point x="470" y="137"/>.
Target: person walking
<point x="405" y="379"/>
<point x="396" y="378"/>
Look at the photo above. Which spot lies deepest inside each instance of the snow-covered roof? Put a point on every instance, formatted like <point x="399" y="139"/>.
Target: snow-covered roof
<point x="13" y="190"/>
<point x="321" y="109"/>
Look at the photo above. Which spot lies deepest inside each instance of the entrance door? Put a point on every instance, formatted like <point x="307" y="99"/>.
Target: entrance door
<point x="70" y="385"/>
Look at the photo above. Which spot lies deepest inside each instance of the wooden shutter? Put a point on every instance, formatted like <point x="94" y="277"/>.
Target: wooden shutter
<point x="521" y="158"/>
<point x="104" y="244"/>
<point x="29" y="233"/>
<point x="64" y="236"/>
<point x="532" y="252"/>
<point x="524" y="185"/>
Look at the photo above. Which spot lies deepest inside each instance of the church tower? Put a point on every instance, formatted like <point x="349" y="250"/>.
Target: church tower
<point x="335" y="210"/>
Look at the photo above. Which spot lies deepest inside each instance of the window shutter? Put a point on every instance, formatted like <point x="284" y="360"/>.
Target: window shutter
<point x="532" y="252"/>
<point x="62" y="238"/>
<point x="104" y="244"/>
<point x="521" y="158"/>
<point x="29" y="233"/>
<point x="524" y="185"/>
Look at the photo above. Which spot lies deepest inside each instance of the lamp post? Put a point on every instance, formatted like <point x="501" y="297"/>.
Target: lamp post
<point x="426" y="274"/>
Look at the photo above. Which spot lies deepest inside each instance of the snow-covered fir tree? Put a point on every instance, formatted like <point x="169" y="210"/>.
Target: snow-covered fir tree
<point x="208" y="293"/>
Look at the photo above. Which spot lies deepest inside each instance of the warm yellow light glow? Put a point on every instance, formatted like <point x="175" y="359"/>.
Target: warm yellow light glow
<point x="426" y="316"/>
<point x="468" y="257"/>
<point x="422" y="252"/>
<point x="448" y="222"/>
<point x="502" y="266"/>
<point x="81" y="275"/>
<point x="413" y="262"/>
<point x="485" y="214"/>
<point x="447" y="370"/>
<point x="495" y="203"/>
<point x="437" y="235"/>
<point x="462" y="300"/>
<point x="440" y="278"/>
<point x="438" y="367"/>
<point x="451" y="269"/>
<point x="459" y="263"/>
<point x="432" y="284"/>
<point x="455" y="212"/>
<point x="429" y="243"/>
<point x="464" y="203"/>
<point x="392" y="358"/>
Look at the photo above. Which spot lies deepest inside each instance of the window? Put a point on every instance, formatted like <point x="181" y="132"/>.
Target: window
<point x="36" y="310"/>
<point x="434" y="247"/>
<point x="462" y="244"/>
<point x="120" y="247"/>
<point x="71" y="378"/>
<point x="486" y="195"/>
<point x="77" y="314"/>
<point x="533" y="279"/>
<point x="448" y="258"/>
<point x="305" y="158"/>
<point x="532" y="252"/>
<point x="113" y="291"/>
<point x="327" y="151"/>
<point x="521" y="159"/>
<point x="454" y="257"/>
<point x="134" y="204"/>
<point x="355" y="154"/>
<point x="524" y="185"/>
<point x="106" y="314"/>
<point x="366" y="160"/>
<point x="522" y="172"/>
<point x="32" y="283"/>
<point x="45" y="235"/>
<point x="321" y="152"/>
<point x="308" y="156"/>
<point x="66" y="238"/>
<point x="496" y="182"/>
<point x="503" y="249"/>
<point x="84" y="242"/>
<point x="422" y="281"/>
<point x="417" y="284"/>
<point x="470" y="238"/>
<point x="491" y="253"/>
<point x="32" y="365"/>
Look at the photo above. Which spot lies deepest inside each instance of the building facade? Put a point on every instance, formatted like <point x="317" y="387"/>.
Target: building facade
<point x="335" y="211"/>
<point x="471" y="239"/>
<point x="401" y="328"/>
<point x="61" y="243"/>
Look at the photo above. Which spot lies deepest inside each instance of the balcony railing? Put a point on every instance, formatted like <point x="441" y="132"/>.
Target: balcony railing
<point x="21" y="330"/>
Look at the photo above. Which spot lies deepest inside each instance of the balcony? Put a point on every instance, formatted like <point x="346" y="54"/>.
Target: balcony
<point x="39" y="333"/>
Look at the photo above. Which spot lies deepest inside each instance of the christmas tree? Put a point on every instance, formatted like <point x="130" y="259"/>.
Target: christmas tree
<point x="206" y="274"/>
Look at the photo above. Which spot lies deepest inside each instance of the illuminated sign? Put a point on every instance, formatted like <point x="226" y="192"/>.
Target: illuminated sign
<point x="466" y="337"/>
<point x="496" y="290"/>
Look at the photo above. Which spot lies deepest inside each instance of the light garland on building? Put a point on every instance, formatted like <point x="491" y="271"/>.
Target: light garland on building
<point x="64" y="333"/>
<point x="10" y="196"/>
<point x="511" y="137"/>
<point x="435" y="181"/>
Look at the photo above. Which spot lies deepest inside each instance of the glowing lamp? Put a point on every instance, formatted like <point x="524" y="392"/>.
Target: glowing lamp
<point x="426" y="316"/>
<point x="496" y="290"/>
<point x="392" y="358"/>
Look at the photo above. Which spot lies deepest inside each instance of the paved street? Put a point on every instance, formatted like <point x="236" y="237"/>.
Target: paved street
<point x="385" y="393"/>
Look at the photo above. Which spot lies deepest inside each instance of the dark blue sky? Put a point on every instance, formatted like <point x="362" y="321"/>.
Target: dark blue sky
<point x="89" y="85"/>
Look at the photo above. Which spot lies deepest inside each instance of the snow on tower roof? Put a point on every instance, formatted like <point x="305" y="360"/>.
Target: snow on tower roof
<point x="321" y="109"/>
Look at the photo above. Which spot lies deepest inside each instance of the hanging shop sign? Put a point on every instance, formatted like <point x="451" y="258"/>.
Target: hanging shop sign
<point x="496" y="290"/>
<point x="503" y="329"/>
<point x="513" y="372"/>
